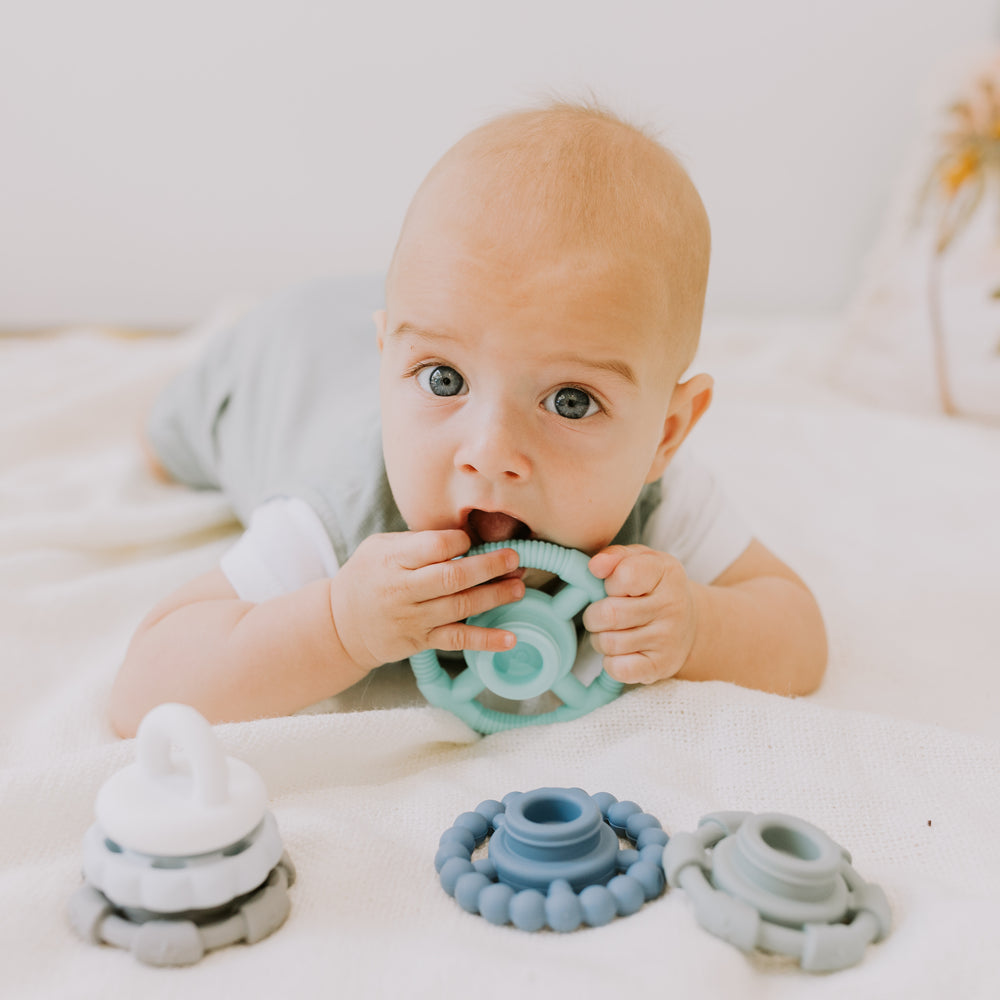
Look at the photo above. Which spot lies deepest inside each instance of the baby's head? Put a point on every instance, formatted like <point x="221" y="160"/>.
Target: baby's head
<point x="544" y="299"/>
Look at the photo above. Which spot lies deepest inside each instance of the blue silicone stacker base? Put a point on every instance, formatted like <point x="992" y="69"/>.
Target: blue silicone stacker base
<point x="778" y="884"/>
<point x="554" y="859"/>
<point x="541" y="661"/>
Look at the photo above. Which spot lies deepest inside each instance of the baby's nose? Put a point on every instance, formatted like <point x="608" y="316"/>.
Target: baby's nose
<point x="494" y="446"/>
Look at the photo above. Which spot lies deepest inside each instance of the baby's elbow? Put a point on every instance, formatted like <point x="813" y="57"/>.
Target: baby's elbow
<point x="122" y="714"/>
<point x="123" y="727"/>
<point x="812" y="667"/>
<point x="130" y="697"/>
<point x="809" y="680"/>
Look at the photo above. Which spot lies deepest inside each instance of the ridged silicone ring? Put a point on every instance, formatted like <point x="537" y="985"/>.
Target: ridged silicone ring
<point x="541" y="661"/>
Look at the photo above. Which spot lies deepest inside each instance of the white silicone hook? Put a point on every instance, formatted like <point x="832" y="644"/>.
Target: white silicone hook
<point x="158" y="808"/>
<point x="182" y="726"/>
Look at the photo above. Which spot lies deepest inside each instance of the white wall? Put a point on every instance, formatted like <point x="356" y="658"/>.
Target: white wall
<point x="158" y="157"/>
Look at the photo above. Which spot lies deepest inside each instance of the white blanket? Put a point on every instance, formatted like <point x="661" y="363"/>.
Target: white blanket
<point x="895" y="522"/>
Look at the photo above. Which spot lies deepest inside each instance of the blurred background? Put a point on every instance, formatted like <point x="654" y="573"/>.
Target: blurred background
<point x="158" y="158"/>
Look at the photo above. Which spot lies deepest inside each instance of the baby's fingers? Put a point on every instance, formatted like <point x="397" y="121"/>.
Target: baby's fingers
<point x="611" y="614"/>
<point x="631" y="668"/>
<point x="458" y="577"/>
<point x="417" y="549"/>
<point x="461" y="636"/>
<point x="453" y="608"/>
<point x="631" y="571"/>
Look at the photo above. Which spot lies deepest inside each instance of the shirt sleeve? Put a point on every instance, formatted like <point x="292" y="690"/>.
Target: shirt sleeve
<point x="284" y="547"/>
<point x="695" y="522"/>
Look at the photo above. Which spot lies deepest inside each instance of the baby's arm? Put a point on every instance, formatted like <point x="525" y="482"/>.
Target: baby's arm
<point x="233" y="659"/>
<point x="757" y="624"/>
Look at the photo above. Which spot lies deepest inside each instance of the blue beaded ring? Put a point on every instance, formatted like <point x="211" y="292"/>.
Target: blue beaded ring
<point x="554" y="859"/>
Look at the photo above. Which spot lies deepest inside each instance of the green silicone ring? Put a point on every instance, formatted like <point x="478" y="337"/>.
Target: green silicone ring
<point x="541" y="661"/>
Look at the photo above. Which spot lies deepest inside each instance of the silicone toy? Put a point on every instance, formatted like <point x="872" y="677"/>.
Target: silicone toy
<point x="554" y="859"/>
<point x="181" y="859"/>
<point x="543" y="657"/>
<point x="777" y="883"/>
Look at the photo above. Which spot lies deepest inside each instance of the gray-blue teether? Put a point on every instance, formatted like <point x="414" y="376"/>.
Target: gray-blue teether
<point x="777" y="883"/>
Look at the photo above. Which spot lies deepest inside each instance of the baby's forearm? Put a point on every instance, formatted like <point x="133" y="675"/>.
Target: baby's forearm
<point x="231" y="659"/>
<point x="764" y="633"/>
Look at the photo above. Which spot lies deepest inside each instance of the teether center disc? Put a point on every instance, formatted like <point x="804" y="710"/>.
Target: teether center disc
<point x="545" y="650"/>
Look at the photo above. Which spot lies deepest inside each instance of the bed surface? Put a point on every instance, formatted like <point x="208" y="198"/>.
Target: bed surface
<point x="893" y="519"/>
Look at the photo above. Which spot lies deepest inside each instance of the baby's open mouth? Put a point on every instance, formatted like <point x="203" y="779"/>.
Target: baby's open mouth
<point x="494" y="526"/>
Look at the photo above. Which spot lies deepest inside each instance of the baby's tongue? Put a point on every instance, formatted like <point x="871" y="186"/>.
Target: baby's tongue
<point x="492" y="526"/>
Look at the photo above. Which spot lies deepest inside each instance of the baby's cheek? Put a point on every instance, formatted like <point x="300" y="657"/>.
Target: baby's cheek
<point x="415" y="485"/>
<point x="602" y="530"/>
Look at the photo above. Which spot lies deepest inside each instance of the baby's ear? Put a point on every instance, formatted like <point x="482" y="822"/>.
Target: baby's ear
<point x="379" y="317"/>
<point x="688" y="404"/>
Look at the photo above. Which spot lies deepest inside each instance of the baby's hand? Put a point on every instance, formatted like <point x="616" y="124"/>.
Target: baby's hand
<point x="403" y="592"/>
<point x="645" y="627"/>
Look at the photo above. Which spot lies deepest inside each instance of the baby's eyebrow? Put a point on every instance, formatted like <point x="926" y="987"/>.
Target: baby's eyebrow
<point x="412" y="330"/>
<point x="614" y="366"/>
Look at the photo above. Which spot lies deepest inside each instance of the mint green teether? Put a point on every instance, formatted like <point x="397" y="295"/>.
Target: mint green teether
<point x="541" y="661"/>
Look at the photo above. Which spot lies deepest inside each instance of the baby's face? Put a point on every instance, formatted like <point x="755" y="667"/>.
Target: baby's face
<point x="521" y="397"/>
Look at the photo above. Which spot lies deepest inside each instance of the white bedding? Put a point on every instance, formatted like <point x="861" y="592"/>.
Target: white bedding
<point x="893" y="519"/>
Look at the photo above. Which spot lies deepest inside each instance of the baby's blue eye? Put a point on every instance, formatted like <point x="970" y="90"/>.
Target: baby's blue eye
<point x="571" y="403"/>
<point x="441" y="380"/>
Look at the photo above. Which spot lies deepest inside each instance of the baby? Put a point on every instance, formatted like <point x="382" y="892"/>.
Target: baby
<point x="543" y="305"/>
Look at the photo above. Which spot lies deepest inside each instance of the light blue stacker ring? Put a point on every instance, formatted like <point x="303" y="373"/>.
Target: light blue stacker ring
<point x="775" y="883"/>
<point x="554" y="859"/>
<point x="541" y="661"/>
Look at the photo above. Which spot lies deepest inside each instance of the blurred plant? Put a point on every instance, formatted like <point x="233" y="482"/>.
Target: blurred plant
<point x="969" y="162"/>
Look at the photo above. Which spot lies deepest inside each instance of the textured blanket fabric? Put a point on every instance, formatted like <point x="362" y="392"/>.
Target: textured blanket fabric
<point x="893" y="519"/>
